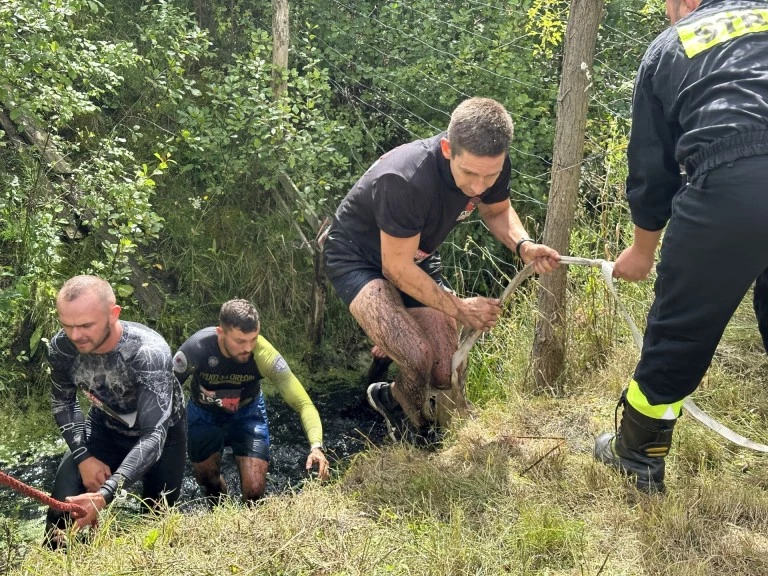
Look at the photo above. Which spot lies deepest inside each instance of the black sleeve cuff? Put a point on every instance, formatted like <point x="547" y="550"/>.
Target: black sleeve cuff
<point x="82" y="454"/>
<point x="110" y="488"/>
<point x="646" y="221"/>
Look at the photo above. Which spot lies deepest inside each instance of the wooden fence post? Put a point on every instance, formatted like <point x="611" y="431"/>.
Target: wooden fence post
<point x="572" y="103"/>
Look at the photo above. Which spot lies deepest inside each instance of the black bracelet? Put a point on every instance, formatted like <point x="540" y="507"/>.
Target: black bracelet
<point x="520" y="243"/>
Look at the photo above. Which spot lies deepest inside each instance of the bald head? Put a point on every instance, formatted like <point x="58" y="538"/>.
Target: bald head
<point x="89" y="315"/>
<point x="80" y="285"/>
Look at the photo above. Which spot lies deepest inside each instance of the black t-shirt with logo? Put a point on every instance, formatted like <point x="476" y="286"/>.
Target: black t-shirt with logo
<point x="219" y="384"/>
<point x="408" y="191"/>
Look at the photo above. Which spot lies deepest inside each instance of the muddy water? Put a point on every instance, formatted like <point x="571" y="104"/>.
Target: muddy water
<point x="349" y="424"/>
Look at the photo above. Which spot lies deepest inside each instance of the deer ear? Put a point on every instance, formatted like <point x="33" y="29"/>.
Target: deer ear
<point x="691" y="5"/>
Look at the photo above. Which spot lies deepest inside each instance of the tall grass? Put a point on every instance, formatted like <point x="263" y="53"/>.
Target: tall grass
<point x="513" y="491"/>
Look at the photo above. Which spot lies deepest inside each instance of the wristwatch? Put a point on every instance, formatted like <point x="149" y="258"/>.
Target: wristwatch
<point x="520" y="244"/>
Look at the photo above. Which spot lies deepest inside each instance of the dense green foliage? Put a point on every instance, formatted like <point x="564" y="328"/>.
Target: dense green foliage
<point x="165" y="142"/>
<point x="169" y="142"/>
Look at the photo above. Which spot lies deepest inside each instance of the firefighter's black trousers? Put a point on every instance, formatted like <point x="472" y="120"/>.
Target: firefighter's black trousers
<point x="715" y="245"/>
<point x="760" y="301"/>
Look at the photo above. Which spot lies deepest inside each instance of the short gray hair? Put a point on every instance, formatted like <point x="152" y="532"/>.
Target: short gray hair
<point x="481" y="126"/>
<point x="78" y="285"/>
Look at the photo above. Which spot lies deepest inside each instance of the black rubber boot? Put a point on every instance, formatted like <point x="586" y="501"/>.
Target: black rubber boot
<point x="638" y="447"/>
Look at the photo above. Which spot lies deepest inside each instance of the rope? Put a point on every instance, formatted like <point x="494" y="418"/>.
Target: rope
<point x="75" y="510"/>
<point x="606" y="269"/>
<point x="468" y="340"/>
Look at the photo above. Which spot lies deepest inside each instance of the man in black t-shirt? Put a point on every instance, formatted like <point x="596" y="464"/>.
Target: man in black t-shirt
<point x="381" y="250"/>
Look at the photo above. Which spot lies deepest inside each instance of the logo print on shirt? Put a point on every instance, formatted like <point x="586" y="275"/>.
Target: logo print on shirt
<point x="704" y="33"/>
<point x="213" y="361"/>
<point x="180" y="362"/>
<point x="229" y="404"/>
<point x="280" y="365"/>
<point x="468" y="209"/>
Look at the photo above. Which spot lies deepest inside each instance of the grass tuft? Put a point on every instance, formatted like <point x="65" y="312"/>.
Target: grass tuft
<point x="513" y="491"/>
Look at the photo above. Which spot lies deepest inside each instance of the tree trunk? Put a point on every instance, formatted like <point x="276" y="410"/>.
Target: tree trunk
<point x="320" y="282"/>
<point x="280" y="39"/>
<point x="573" y="99"/>
<point x="146" y="292"/>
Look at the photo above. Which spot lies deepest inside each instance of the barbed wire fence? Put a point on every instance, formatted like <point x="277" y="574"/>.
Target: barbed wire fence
<point x="386" y="98"/>
<point x="398" y="83"/>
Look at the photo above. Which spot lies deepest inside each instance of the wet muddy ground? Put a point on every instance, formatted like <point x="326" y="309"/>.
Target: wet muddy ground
<point x="349" y="425"/>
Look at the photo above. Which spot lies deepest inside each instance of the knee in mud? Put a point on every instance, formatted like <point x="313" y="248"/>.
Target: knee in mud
<point x="253" y="496"/>
<point x="206" y="476"/>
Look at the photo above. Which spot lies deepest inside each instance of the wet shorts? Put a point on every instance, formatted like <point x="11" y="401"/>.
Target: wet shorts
<point x="349" y="277"/>
<point x="246" y="431"/>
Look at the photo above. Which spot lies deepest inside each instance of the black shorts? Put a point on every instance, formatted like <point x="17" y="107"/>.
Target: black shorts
<point x="161" y="482"/>
<point x="349" y="274"/>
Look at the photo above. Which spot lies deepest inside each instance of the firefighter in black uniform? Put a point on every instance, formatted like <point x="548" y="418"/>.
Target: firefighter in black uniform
<point x="700" y="101"/>
<point x="760" y="301"/>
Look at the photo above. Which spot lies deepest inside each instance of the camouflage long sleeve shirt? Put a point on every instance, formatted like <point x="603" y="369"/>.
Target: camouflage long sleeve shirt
<point x="132" y="389"/>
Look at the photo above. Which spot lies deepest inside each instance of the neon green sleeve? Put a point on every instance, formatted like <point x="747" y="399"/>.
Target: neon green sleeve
<point x="273" y="366"/>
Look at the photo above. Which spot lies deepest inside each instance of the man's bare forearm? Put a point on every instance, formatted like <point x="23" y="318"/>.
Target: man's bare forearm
<point x="506" y="227"/>
<point x="646" y="241"/>
<point x="412" y="280"/>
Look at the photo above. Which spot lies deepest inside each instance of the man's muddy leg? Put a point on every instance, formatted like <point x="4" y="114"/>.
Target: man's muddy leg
<point x="379" y="310"/>
<point x="253" y="477"/>
<point x="208" y="476"/>
<point x="443" y="339"/>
